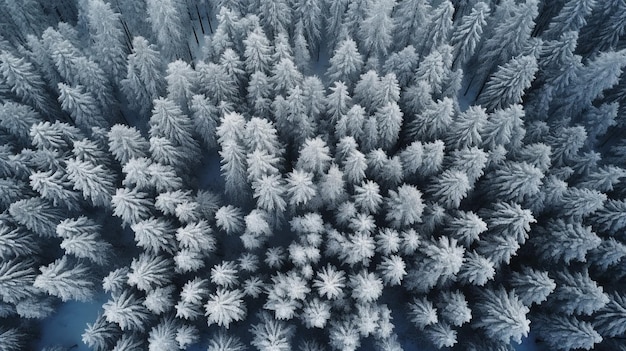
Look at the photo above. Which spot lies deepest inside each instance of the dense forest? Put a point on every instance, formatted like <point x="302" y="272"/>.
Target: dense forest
<point x="313" y="175"/>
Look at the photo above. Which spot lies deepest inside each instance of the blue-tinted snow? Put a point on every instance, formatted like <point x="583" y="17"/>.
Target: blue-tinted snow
<point x="66" y="325"/>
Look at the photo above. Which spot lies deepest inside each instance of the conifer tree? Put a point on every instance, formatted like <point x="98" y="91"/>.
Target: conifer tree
<point x="131" y="206"/>
<point x="271" y="334"/>
<point x="225" y="307"/>
<point x="577" y="294"/>
<point x="338" y="101"/>
<point x="334" y="12"/>
<point x="468" y="33"/>
<point x="258" y="51"/>
<point x="168" y="121"/>
<point x="610" y="321"/>
<point x="389" y="121"/>
<point x="598" y="75"/>
<point x="23" y="80"/>
<point x="432" y="158"/>
<point x="308" y="15"/>
<point x="450" y="188"/>
<point x="403" y="64"/>
<point x="513" y="24"/>
<point x="367" y="87"/>
<point x="81" y="238"/>
<point x="37" y="215"/>
<point x="567" y="332"/>
<point x="169" y="27"/>
<point x="572" y="17"/>
<point x="579" y="202"/>
<point x="434" y="69"/>
<point x="127" y="143"/>
<point x="468" y="128"/>
<point x="17" y="242"/>
<point x="411" y="18"/>
<point x="515" y="181"/>
<point x="107" y="33"/>
<point x="261" y="134"/>
<point x="466" y="227"/>
<point x="17" y="120"/>
<point x="261" y="163"/>
<point x="275" y="15"/>
<point x="66" y="279"/>
<point x="100" y="334"/>
<point x="16" y="279"/>
<point x="154" y="235"/>
<point x="506" y="86"/>
<point x="285" y="76"/>
<point x="433" y="121"/>
<point x="95" y="182"/>
<point x="346" y="62"/>
<point x="150" y="271"/>
<point x="501" y="315"/>
<point x="567" y="241"/>
<point x="476" y="270"/>
<point x="233" y="167"/>
<point x="354" y="16"/>
<point x="181" y="83"/>
<point x="127" y="311"/>
<point x="314" y="156"/>
<point x="144" y="75"/>
<point x="82" y="106"/>
<point x="504" y="127"/>
<point x="259" y="93"/>
<point x="53" y="186"/>
<point x="439" y="27"/>
<point x="376" y="28"/>
<point x="532" y="286"/>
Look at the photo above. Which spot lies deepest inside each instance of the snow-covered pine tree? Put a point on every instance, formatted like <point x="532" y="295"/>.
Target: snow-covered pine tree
<point x="439" y="27"/>
<point x="576" y="293"/>
<point x="468" y="33"/>
<point x="67" y="279"/>
<point x="532" y="286"/>
<point x="512" y="24"/>
<point x="127" y="310"/>
<point x="501" y="315"/>
<point x="107" y="34"/>
<point x="567" y="241"/>
<point x="308" y="13"/>
<point x="346" y="62"/>
<point x="169" y="26"/>
<point x="16" y="279"/>
<point x="127" y="143"/>
<point x="566" y="333"/>
<point x="376" y="28"/>
<point x="150" y="271"/>
<point x="81" y="238"/>
<point x="22" y="79"/>
<point x="37" y="215"/>
<point x="572" y="17"/>
<point x="276" y="16"/>
<point x="182" y="81"/>
<point x="82" y="107"/>
<point x="411" y="18"/>
<point x="144" y="81"/>
<point x="257" y="54"/>
<point x="506" y="86"/>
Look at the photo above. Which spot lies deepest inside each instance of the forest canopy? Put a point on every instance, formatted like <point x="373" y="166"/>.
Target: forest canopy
<point x="309" y="175"/>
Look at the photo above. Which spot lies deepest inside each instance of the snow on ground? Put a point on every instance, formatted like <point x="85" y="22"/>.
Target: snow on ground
<point x="66" y="325"/>
<point x="468" y="93"/>
<point x="529" y="344"/>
